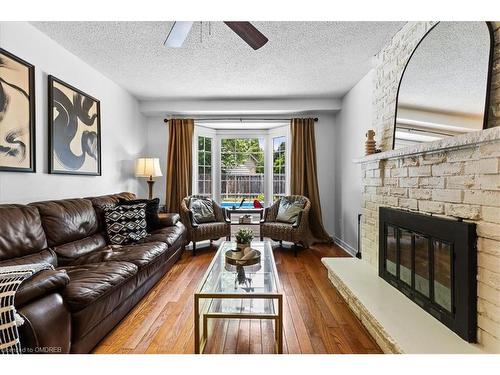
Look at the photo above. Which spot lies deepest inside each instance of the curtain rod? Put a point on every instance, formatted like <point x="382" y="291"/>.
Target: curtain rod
<point x="240" y="119"/>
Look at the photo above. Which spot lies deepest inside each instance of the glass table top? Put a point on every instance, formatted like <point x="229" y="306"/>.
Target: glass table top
<point x="222" y="278"/>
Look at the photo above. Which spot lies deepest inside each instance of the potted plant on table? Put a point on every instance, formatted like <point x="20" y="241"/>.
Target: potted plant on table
<point x="243" y="239"/>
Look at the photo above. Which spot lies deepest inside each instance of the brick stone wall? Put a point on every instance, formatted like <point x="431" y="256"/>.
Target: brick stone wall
<point x="390" y="63"/>
<point x="462" y="183"/>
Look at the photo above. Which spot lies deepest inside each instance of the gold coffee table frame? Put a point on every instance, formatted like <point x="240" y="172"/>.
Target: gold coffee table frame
<point x="275" y="298"/>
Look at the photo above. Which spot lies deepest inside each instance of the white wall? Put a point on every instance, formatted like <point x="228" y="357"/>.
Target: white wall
<point x="352" y="122"/>
<point x="157" y="135"/>
<point x="123" y="138"/>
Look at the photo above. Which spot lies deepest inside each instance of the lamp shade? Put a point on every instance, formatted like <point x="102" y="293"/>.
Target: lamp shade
<point x="146" y="167"/>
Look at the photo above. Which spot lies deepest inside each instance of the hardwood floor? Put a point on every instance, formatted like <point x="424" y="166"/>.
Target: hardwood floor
<point x="316" y="319"/>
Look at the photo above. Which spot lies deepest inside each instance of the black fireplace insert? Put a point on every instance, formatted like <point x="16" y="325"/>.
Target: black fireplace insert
<point x="433" y="261"/>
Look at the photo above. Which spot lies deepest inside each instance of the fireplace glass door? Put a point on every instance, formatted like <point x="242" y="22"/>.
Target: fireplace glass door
<point x="431" y="260"/>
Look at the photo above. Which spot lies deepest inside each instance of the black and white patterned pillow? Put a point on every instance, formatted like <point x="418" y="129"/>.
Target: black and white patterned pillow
<point x="125" y="224"/>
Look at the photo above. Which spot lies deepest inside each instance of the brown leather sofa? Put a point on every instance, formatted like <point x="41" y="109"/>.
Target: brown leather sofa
<point x="94" y="285"/>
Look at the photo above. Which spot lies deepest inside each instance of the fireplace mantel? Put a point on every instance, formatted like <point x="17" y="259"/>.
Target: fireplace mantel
<point x="458" y="142"/>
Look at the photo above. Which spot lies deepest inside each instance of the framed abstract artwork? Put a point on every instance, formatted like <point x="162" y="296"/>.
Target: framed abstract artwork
<point x="17" y="114"/>
<point x="74" y="130"/>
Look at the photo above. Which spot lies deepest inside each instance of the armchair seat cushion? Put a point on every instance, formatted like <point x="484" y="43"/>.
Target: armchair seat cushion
<point x="277" y="230"/>
<point x="211" y="231"/>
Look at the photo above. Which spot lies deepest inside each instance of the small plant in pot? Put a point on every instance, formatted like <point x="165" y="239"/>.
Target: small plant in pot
<point x="243" y="239"/>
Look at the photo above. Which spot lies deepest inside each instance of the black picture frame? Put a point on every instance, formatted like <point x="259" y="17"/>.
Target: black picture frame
<point x="32" y="115"/>
<point x="52" y="131"/>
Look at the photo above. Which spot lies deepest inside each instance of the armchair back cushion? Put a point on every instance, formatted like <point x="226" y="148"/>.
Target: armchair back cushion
<point x="290" y="208"/>
<point x="202" y="209"/>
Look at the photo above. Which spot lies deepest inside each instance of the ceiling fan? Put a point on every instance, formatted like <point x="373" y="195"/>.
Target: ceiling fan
<point x="245" y="30"/>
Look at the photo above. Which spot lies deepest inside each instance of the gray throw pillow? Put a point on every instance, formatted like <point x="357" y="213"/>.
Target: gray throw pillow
<point x="202" y="209"/>
<point x="289" y="209"/>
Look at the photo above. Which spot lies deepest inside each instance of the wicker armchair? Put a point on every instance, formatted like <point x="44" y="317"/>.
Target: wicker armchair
<point x="205" y="231"/>
<point x="298" y="232"/>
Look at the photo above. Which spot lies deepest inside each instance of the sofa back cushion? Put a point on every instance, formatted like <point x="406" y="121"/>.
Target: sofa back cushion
<point x="21" y="231"/>
<point x="45" y="256"/>
<point x="68" y="252"/>
<point x="67" y="220"/>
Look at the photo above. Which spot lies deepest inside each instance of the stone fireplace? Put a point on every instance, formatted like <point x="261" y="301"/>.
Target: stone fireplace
<point x="456" y="178"/>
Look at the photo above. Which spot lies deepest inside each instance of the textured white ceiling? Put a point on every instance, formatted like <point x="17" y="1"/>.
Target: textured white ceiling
<point x="321" y="59"/>
<point x="449" y="69"/>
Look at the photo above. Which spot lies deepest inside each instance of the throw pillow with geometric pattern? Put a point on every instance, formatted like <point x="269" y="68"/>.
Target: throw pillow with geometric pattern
<point x="125" y="224"/>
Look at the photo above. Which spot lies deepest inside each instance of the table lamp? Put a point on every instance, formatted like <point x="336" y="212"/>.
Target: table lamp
<point x="148" y="167"/>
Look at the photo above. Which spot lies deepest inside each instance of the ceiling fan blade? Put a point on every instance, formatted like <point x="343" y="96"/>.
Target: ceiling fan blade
<point x="178" y="33"/>
<point x="246" y="31"/>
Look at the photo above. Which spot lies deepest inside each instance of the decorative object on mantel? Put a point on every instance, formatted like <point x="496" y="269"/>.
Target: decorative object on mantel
<point x="149" y="168"/>
<point x="370" y="144"/>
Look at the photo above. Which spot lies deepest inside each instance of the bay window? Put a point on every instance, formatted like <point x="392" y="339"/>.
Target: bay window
<point x="236" y="164"/>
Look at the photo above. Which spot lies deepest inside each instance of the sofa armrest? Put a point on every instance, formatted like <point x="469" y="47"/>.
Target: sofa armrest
<point x="168" y="220"/>
<point x="41" y="284"/>
<point x="47" y="325"/>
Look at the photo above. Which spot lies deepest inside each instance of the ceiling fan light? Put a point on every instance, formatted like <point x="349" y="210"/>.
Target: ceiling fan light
<point x="178" y="34"/>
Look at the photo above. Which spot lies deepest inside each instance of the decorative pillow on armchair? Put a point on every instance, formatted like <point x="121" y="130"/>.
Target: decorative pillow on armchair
<point x="289" y="209"/>
<point x="125" y="224"/>
<point x="202" y="209"/>
<point x="152" y="208"/>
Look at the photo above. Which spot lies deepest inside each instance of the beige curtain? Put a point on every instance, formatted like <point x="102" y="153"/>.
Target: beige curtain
<point x="179" y="162"/>
<point x="304" y="179"/>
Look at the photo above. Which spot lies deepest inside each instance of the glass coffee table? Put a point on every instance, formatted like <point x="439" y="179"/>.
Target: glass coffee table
<point x="235" y="292"/>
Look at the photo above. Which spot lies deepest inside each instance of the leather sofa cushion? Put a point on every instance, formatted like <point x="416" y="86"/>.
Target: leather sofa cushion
<point x="168" y="235"/>
<point x="21" y="231"/>
<point x="70" y="251"/>
<point x="40" y="284"/>
<point x="67" y="220"/>
<point x="90" y="282"/>
<point x="44" y="256"/>
<point x="138" y="254"/>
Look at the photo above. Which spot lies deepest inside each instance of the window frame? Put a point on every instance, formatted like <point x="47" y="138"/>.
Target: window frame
<point x="218" y="134"/>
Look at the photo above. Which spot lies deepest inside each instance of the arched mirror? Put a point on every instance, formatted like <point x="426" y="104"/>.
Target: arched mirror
<point x="444" y="89"/>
